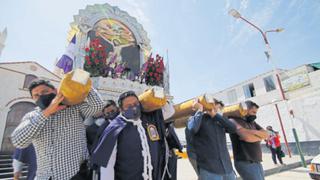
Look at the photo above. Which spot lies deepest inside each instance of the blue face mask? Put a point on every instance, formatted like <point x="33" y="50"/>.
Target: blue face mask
<point x="133" y="112"/>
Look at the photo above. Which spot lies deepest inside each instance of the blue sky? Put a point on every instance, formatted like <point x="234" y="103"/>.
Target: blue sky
<point x="208" y="49"/>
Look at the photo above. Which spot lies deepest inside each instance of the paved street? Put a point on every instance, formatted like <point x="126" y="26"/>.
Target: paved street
<point x="186" y="172"/>
<point x="299" y="174"/>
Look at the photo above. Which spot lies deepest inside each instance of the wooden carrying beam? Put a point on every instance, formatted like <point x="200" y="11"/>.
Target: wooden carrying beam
<point x="153" y="99"/>
<point x="184" y="109"/>
<point x="181" y="122"/>
<point x="75" y="87"/>
<point x="236" y="110"/>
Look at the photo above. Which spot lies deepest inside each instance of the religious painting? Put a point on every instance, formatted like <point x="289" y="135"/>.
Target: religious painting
<point x="119" y="44"/>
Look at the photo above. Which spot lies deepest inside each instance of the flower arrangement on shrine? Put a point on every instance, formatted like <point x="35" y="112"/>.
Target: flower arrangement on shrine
<point x="99" y="63"/>
<point x="95" y="58"/>
<point x="153" y="71"/>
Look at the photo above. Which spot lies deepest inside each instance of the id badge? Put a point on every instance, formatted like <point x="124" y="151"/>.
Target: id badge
<point x="153" y="132"/>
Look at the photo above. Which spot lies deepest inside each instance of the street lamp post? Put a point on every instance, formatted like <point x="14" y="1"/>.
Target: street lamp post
<point x="237" y="15"/>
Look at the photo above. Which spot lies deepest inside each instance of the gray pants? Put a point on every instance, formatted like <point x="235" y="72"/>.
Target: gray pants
<point x="249" y="170"/>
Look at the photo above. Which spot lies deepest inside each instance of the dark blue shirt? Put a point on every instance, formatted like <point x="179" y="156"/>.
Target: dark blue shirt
<point x="27" y="156"/>
<point x="210" y="143"/>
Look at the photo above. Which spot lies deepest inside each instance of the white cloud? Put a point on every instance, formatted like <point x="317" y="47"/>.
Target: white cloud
<point x="138" y="10"/>
<point x="135" y="9"/>
<point x="243" y="5"/>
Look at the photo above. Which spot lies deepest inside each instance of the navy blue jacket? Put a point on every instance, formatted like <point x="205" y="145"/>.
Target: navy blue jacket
<point x="127" y="137"/>
<point x="209" y="140"/>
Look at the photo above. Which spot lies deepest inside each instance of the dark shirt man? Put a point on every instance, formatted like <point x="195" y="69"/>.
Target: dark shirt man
<point x="209" y="139"/>
<point x="91" y="131"/>
<point x="94" y="131"/>
<point x="246" y="145"/>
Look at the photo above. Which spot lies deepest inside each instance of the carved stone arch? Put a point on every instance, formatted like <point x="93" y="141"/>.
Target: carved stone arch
<point x="14" y="117"/>
<point x="86" y="20"/>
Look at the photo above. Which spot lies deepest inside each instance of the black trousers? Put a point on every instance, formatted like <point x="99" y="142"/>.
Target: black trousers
<point x="276" y="153"/>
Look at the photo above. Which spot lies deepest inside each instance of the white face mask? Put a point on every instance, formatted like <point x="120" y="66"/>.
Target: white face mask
<point x="99" y="121"/>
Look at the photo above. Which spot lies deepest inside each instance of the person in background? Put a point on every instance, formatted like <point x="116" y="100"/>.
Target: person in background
<point x="92" y="128"/>
<point x="109" y="112"/>
<point x="94" y="131"/>
<point x="246" y="144"/>
<point x="21" y="158"/>
<point x="208" y="130"/>
<point x="273" y="142"/>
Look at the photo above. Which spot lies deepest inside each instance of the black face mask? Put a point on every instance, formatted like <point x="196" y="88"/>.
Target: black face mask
<point x="44" y="100"/>
<point x="251" y="118"/>
<point x="111" y="115"/>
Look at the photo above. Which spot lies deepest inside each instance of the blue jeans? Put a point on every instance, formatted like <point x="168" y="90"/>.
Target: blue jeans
<point x="206" y="175"/>
<point x="249" y="170"/>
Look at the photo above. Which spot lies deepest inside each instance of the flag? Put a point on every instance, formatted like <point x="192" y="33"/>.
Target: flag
<point x="3" y="37"/>
<point x="66" y="61"/>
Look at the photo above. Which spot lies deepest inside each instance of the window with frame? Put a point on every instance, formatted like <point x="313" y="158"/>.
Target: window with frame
<point x="269" y="83"/>
<point x="28" y="79"/>
<point x="249" y="91"/>
<point x="232" y="96"/>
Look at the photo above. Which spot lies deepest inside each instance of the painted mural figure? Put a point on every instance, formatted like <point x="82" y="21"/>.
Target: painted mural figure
<point x="120" y="43"/>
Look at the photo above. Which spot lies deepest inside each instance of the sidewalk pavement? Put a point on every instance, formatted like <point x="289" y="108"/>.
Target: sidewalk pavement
<point x="186" y="172"/>
<point x="300" y="173"/>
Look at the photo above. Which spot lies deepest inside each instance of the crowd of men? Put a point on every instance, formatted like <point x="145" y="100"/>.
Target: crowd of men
<point x="207" y="146"/>
<point x="126" y="143"/>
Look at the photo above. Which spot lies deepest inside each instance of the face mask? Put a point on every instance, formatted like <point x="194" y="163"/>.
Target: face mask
<point x="111" y="115"/>
<point x="44" y="100"/>
<point x="133" y="112"/>
<point x="251" y="118"/>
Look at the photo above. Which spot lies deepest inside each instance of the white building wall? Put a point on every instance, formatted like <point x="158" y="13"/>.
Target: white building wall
<point x="306" y="117"/>
<point x="304" y="102"/>
<point x="262" y="96"/>
<point x="12" y="90"/>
